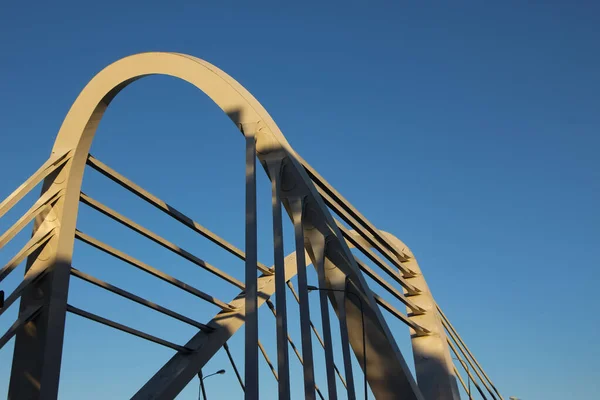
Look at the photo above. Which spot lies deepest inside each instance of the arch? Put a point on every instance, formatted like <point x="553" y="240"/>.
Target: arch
<point x="43" y="351"/>
<point x="75" y="138"/>
<point x="79" y="126"/>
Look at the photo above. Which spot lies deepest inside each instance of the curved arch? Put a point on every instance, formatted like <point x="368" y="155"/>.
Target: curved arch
<point x="79" y="126"/>
<point x="75" y="137"/>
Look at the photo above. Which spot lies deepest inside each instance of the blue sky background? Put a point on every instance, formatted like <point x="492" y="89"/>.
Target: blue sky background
<point x="470" y="130"/>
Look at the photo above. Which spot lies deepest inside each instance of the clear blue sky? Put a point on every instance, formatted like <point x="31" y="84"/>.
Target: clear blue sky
<point x="471" y="131"/>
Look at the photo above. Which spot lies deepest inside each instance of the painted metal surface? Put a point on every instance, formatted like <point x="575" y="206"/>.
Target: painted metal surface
<point x="296" y="208"/>
<point x="310" y="203"/>
<point x="283" y="362"/>
<point x="251" y="290"/>
<point x="433" y="363"/>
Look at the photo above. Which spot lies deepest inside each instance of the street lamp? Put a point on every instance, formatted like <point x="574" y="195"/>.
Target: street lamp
<point x="202" y="378"/>
<point x="362" y="318"/>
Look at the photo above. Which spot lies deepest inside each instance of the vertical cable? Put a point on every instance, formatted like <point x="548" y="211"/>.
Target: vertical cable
<point x="283" y="364"/>
<point x="307" y="351"/>
<point x="316" y="332"/>
<point x="346" y="350"/>
<point x="319" y="253"/>
<point x="272" y="307"/>
<point x="251" y="303"/>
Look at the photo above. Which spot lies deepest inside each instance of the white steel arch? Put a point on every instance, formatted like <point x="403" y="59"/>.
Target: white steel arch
<point x="307" y="198"/>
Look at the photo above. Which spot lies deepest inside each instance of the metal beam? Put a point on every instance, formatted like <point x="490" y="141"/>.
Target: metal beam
<point x="44" y="201"/>
<point x="35" y="371"/>
<point x="151" y="270"/>
<point x="182" y="368"/>
<point x="305" y="323"/>
<point x="157" y="239"/>
<point x="39" y="239"/>
<point x="350" y="389"/>
<point x="169" y="210"/>
<point x="388" y="287"/>
<point x="251" y="296"/>
<point x="317" y="335"/>
<point x="371" y="241"/>
<point x="318" y="257"/>
<point x="293" y="346"/>
<point x="356" y="242"/>
<point x="30" y="277"/>
<point x="283" y="362"/>
<point x="419" y="330"/>
<point x="338" y="199"/>
<point x="36" y="364"/>
<point x="138" y="299"/>
<point x="127" y="329"/>
<point x="387" y="372"/>
<point x="55" y="161"/>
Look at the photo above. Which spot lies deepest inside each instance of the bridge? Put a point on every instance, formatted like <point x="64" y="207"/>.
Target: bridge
<point x="365" y="276"/>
